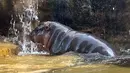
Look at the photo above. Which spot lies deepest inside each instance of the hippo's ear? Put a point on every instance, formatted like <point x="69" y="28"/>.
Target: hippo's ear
<point x="47" y="27"/>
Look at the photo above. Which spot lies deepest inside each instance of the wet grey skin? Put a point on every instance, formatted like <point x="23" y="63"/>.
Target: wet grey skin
<point x="63" y="39"/>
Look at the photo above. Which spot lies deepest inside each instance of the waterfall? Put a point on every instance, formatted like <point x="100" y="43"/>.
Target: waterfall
<point x="22" y="29"/>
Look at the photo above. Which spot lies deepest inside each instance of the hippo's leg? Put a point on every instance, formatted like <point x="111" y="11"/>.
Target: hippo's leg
<point x="100" y="50"/>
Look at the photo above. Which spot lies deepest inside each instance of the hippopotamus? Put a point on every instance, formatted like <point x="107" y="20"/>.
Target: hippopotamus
<point x="56" y="39"/>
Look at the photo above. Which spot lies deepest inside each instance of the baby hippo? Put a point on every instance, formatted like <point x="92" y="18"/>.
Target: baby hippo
<point x="56" y="38"/>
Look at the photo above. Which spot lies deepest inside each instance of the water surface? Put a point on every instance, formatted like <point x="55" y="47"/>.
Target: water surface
<point x="54" y="64"/>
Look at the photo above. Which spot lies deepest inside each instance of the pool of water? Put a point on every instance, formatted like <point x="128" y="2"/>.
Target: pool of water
<point x="25" y="64"/>
<point x="54" y="64"/>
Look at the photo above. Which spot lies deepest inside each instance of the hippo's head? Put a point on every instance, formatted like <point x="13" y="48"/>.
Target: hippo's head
<point x="41" y="34"/>
<point x="44" y="31"/>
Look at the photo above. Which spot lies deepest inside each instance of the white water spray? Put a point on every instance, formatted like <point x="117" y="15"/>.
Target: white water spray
<point x="25" y="25"/>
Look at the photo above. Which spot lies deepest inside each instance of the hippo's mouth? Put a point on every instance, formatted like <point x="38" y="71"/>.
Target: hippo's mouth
<point x="39" y="44"/>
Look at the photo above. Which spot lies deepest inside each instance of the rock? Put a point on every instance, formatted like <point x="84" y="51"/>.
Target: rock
<point x="6" y="10"/>
<point x="120" y="61"/>
<point x="8" y="49"/>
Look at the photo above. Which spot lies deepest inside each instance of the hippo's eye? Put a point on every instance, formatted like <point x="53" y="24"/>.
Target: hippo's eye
<point x="47" y="28"/>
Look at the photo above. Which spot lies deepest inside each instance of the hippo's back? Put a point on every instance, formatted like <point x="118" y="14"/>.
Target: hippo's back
<point x="80" y="42"/>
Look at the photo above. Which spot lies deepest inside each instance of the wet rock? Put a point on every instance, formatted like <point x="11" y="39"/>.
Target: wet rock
<point x="120" y="61"/>
<point x="93" y="58"/>
<point x="63" y="11"/>
<point x="8" y="49"/>
<point x="86" y="13"/>
<point x="10" y="11"/>
<point x="106" y="15"/>
<point x="6" y="10"/>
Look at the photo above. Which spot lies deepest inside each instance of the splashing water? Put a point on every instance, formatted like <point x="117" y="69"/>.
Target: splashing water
<point x="22" y="29"/>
